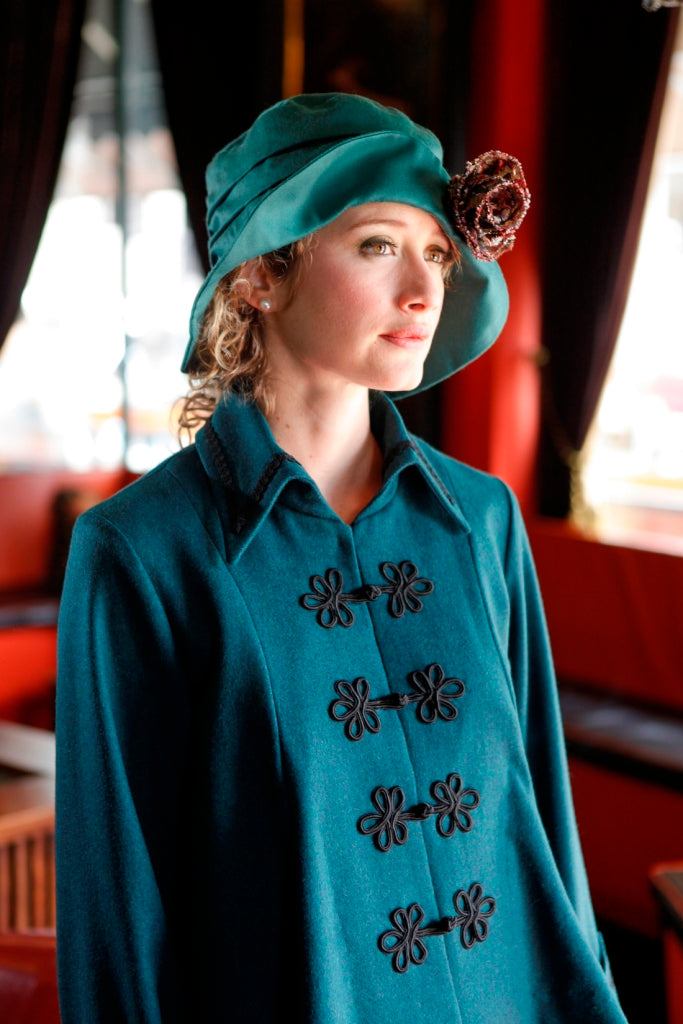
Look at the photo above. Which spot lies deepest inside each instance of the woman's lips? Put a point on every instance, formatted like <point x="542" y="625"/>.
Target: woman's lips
<point x="409" y="337"/>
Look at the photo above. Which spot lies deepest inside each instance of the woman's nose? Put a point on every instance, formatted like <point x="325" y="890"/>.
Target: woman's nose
<point x="422" y="286"/>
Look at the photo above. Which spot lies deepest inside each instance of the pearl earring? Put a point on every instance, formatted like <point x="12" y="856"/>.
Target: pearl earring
<point x="265" y="305"/>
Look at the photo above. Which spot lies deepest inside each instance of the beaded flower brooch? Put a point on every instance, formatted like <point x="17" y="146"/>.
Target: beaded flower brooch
<point x="489" y="202"/>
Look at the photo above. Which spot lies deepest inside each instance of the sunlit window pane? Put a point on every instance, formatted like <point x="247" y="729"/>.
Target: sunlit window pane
<point x="90" y="371"/>
<point x="634" y="471"/>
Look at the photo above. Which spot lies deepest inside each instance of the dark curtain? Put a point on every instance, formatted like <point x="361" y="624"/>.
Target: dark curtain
<point x="39" y="47"/>
<point x="221" y="64"/>
<point x="606" y="74"/>
<point x="211" y="96"/>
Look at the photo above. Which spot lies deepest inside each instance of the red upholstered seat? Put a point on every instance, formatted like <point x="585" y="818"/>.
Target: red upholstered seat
<point x="28" y="978"/>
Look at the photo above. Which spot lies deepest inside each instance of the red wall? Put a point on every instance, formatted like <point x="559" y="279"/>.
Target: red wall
<point x="492" y="408"/>
<point x="626" y="826"/>
<point x="614" y="614"/>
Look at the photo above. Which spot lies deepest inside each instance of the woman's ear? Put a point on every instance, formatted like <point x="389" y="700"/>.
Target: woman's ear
<point x="259" y="288"/>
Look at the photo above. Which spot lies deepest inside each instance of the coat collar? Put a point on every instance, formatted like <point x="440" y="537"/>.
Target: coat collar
<point x="242" y="458"/>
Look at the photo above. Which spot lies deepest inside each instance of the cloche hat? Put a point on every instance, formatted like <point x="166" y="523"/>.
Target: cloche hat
<point x="307" y="159"/>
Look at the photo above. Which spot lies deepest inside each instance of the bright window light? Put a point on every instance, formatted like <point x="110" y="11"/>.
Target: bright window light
<point x="90" y="371"/>
<point x="633" y="477"/>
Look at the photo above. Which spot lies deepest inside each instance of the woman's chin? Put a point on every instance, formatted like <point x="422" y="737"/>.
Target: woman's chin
<point x="406" y="381"/>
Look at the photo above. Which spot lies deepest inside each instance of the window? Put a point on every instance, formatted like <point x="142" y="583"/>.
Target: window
<point x="633" y="476"/>
<point x="91" y="369"/>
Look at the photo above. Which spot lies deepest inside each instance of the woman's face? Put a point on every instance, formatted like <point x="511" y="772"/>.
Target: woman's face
<point x="366" y="306"/>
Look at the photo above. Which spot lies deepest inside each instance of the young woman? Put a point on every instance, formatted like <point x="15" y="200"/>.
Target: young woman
<point x="310" y="760"/>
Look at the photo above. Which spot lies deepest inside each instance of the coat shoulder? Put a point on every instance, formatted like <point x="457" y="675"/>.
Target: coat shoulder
<point x="487" y="502"/>
<point x="167" y="500"/>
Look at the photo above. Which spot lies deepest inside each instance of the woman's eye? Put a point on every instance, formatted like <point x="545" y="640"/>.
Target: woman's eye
<point x="437" y="256"/>
<point x="377" y="247"/>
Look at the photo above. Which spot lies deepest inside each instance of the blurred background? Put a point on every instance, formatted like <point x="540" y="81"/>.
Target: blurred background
<point x="110" y="111"/>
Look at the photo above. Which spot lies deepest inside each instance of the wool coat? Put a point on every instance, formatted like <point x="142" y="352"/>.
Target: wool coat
<point x="310" y="770"/>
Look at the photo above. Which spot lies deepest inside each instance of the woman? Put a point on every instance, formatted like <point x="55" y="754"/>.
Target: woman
<point x="310" y="760"/>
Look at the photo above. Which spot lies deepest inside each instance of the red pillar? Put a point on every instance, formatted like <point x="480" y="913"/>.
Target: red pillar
<point x="491" y="409"/>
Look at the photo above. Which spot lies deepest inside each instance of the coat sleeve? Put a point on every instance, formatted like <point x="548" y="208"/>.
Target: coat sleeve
<point x="540" y="719"/>
<point x="121" y="742"/>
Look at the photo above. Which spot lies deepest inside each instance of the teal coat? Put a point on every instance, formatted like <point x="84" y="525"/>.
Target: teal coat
<point x="313" y="768"/>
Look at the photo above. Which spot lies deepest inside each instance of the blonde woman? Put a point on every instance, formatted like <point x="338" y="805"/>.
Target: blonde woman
<point x="310" y="760"/>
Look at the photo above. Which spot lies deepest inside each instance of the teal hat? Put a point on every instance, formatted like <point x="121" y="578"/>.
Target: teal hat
<point x="305" y="161"/>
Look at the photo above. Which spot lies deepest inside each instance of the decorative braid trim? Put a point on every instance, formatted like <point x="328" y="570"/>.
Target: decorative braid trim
<point x="331" y="605"/>
<point x="433" y="692"/>
<point x="404" y="942"/>
<point x="452" y="806"/>
<point x="220" y="459"/>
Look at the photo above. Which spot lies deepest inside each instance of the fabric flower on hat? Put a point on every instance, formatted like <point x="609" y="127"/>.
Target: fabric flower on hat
<point x="489" y="202"/>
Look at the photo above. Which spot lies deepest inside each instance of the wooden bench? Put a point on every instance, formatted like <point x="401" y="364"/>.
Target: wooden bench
<point x="27" y="814"/>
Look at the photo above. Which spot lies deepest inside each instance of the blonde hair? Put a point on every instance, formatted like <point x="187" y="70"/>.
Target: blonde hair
<point x="230" y="355"/>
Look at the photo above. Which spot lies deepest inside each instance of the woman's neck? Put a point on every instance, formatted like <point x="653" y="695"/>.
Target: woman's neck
<point x="332" y="439"/>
